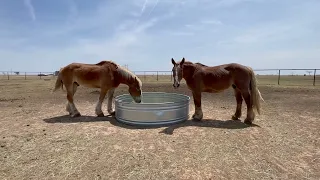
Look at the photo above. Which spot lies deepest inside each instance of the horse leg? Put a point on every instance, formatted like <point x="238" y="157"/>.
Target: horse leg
<point x="73" y="110"/>
<point x="198" y="115"/>
<point x="250" y="114"/>
<point x="239" y="100"/>
<point x="103" y="93"/>
<point x="110" y="98"/>
<point x="75" y="86"/>
<point x="68" y="109"/>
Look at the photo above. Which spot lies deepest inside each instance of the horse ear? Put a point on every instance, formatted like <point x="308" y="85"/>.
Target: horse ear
<point x="173" y="62"/>
<point x="182" y="61"/>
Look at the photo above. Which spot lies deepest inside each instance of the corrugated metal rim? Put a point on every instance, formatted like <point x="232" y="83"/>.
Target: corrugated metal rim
<point x="157" y="108"/>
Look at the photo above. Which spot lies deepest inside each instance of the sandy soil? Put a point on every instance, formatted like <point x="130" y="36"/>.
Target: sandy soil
<point x="38" y="140"/>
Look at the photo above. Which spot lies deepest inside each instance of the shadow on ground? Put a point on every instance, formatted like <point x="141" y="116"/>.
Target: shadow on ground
<point x="68" y="119"/>
<point x="210" y="123"/>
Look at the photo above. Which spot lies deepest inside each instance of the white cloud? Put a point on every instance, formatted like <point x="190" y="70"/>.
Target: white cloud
<point x="144" y="6"/>
<point x="225" y="3"/>
<point x="30" y="8"/>
<point x="181" y="33"/>
<point x="116" y="30"/>
<point x="265" y="33"/>
<point x="210" y="21"/>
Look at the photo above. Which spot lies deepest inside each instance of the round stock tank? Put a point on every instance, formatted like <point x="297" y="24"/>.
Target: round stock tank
<point x="156" y="108"/>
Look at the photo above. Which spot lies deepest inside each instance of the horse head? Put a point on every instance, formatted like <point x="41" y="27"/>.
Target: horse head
<point x="135" y="89"/>
<point x="177" y="72"/>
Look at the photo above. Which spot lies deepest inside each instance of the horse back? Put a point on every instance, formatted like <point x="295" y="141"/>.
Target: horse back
<point x="92" y="75"/>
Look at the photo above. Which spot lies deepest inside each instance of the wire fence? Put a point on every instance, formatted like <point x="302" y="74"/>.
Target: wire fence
<point x="264" y="76"/>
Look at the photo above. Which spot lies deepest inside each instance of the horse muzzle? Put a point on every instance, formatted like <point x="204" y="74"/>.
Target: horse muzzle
<point x="176" y="86"/>
<point x="137" y="99"/>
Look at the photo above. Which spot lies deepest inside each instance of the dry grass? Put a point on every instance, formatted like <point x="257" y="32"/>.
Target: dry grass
<point x="39" y="142"/>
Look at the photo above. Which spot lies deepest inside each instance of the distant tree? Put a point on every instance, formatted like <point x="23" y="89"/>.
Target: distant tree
<point x="17" y="73"/>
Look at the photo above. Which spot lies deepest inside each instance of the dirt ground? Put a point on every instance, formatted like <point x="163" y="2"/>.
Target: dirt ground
<point x="38" y="140"/>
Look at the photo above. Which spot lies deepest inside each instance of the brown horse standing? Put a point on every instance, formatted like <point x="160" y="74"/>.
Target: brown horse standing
<point x="201" y="78"/>
<point x="105" y="75"/>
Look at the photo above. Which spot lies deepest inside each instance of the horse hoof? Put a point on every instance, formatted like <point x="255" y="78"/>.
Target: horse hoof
<point x="100" y="115"/>
<point x="196" y="118"/>
<point x="76" y="115"/>
<point x="235" y="118"/>
<point x="112" y="113"/>
<point x="248" y="122"/>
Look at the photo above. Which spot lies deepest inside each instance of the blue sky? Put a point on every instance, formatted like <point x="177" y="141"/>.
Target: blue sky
<point x="44" y="35"/>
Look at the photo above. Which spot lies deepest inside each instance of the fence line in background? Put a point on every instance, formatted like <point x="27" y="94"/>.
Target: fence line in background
<point x="278" y="75"/>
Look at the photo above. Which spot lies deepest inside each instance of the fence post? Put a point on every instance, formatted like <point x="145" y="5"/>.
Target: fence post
<point x="171" y="76"/>
<point x="25" y="75"/>
<point x="279" y="78"/>
<point x="314" y="77"/>
<point x="8" y="75"/>
<point x="157" y="76"/>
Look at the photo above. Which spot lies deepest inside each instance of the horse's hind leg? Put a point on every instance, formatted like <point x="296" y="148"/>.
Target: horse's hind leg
<point x="239" y="101"/>
<point x="98" y="110"/>
<point x="68" y="108"/>
<point x="250" y="114"/>
<point x="110" y="98"/>
<point x="198" y="115"/>
<point x="73" y="110"/>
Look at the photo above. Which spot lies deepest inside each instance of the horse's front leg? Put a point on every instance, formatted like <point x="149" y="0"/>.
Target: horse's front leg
<point x="98" y="109"/>
<point x="198" y="115"/>
<point x="110" y="98"/>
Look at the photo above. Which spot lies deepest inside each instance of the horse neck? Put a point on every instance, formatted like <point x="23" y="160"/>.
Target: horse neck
<point x="188" y="70"/>
<point x="125" y="77"/>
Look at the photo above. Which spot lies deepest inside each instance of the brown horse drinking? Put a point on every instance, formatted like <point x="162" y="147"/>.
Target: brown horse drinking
<point x="201" y="78"/>
<point x="105" y="75"/>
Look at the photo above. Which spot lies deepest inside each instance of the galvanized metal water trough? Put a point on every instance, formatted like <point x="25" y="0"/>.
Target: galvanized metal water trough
<point x="156" y="108"/>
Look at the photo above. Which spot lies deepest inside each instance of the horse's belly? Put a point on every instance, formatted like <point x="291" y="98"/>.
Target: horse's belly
<point x="213" y="90"/>
<point x="89" y="84"/>
<point x="216" y="88"/>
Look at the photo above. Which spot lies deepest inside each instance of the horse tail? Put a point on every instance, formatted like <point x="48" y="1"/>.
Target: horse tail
<point x="255" y="93"/>
<point x="59" y="82"/>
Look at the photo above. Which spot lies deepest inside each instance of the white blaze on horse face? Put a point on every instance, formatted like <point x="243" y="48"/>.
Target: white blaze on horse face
<point x="176" y="77"/>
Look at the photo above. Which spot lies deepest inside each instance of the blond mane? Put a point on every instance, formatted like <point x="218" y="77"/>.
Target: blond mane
<point x="126" y="73"/>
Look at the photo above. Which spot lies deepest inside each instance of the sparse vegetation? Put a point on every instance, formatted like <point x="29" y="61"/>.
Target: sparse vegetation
<point x="39" y="141"/>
